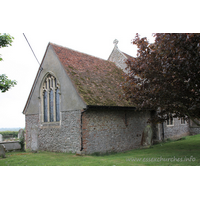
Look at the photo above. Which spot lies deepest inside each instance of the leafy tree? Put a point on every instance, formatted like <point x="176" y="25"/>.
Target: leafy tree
<point x="5" y="83"/>
<point x="165" y="76"/>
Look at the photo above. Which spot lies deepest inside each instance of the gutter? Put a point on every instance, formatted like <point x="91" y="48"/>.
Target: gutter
<point x="112" y="107"/>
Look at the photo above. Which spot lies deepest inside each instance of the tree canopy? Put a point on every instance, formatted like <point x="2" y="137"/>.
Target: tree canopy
<point x="5" y="83"/>
<point x="165" y="75"/>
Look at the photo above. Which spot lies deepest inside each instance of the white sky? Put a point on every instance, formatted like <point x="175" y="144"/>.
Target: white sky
<point x="87" y="26"/>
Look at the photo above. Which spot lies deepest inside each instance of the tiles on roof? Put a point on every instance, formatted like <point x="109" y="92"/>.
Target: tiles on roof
<point x="96" y="80"/>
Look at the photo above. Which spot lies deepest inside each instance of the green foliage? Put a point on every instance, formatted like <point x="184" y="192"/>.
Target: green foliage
<point x="5" y="40"/>
<point x="5" y="83"/>
<point x="22" y="142"/>
<point x="9" y="133"/>
<point x="167" y="75"/>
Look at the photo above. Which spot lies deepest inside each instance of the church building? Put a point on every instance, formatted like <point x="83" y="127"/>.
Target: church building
<point x="76" y="104"/>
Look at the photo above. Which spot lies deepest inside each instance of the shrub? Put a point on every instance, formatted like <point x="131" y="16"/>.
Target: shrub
<point x="22" y="142"/>
<point x="9" y="134"/>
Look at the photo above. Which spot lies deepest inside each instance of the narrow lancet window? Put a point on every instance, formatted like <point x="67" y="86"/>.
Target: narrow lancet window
<point x="57" y="106"/>
<point x="45" y="107"/>
<point x="51" y="106"/>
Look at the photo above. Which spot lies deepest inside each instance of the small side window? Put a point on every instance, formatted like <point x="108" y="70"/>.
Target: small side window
<point x="183" y="121"/>
<point x="170" y="120"/>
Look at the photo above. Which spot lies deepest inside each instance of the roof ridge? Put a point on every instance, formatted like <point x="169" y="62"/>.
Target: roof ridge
<point x="128" y="55"/>
<point x="78" y="51"/>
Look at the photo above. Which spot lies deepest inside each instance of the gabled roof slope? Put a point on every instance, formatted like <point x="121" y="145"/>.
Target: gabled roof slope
<point x="96" y="80"/>
<point x="128" y="56"/>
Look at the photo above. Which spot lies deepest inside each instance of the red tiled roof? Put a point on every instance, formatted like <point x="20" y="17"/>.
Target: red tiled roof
<point x="96" y="80"/>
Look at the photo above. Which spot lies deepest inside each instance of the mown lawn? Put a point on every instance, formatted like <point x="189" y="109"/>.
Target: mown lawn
<point x="185" y="152"/>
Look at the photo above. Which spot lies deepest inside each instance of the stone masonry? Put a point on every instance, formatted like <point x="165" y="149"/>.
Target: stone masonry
<point x="194" y="129"/>
<point x="176" y="131"/>
<point x="58" y="137"/>
<point x="106" y="130"/>
<point x="31" y="128"/>
<point x="118" y="58"/>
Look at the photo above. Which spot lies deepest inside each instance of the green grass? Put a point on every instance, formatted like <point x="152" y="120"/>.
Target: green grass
<point x="187" y="148"/>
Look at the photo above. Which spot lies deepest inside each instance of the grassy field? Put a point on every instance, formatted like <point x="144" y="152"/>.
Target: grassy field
<point x="184" y="152"/>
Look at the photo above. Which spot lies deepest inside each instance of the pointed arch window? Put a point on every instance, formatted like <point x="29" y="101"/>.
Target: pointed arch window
<point x="51" y="99"/>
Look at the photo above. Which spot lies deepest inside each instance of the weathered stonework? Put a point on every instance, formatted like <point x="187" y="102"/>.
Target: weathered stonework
<point x="58" y="137"/>
<point x="194" y="129"/>
<point x="32" y="122"/>
<point x="118" y="58"/>
<point x="177" y="130"/>
<point x="109" y="130"/>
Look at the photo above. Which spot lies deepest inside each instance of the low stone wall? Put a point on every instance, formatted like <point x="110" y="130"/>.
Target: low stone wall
<point x="12" y="146"/>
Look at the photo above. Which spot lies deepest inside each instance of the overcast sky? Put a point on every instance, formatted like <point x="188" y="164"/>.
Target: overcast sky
<point x="87" y="26"/>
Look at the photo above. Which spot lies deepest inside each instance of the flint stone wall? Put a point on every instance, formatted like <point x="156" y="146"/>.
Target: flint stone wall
<point x="194" y="129"/>
<point x="58" y="137"/>
<point x="108" y="130"/>
<point x="176" y="131"/>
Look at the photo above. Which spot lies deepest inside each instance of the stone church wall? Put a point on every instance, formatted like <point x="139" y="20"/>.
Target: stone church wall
<point x="109" y="130"/>
<point x="176" y="131"/>
<point x="31" y="126"/>
<point x="194" y="128"/>
<point x="58" y="137"/>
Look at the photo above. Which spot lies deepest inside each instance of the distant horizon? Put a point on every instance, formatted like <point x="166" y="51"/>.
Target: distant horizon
<point x="11" y="128"/>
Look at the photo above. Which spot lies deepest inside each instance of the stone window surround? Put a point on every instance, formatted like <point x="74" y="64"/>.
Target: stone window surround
<point x="171" y="121"/>
<point x="48" y="79"/>
<point x="183" y="121"/>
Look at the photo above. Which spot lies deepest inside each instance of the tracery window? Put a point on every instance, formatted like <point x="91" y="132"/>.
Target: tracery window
<point x="51" y="99"/>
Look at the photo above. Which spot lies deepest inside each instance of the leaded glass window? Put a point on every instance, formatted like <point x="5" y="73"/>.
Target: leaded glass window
<point x="51" y="99"/>
<point x="45" y="107"/>
<point x="57" y="106"/>
<point x="51" y="105"/>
